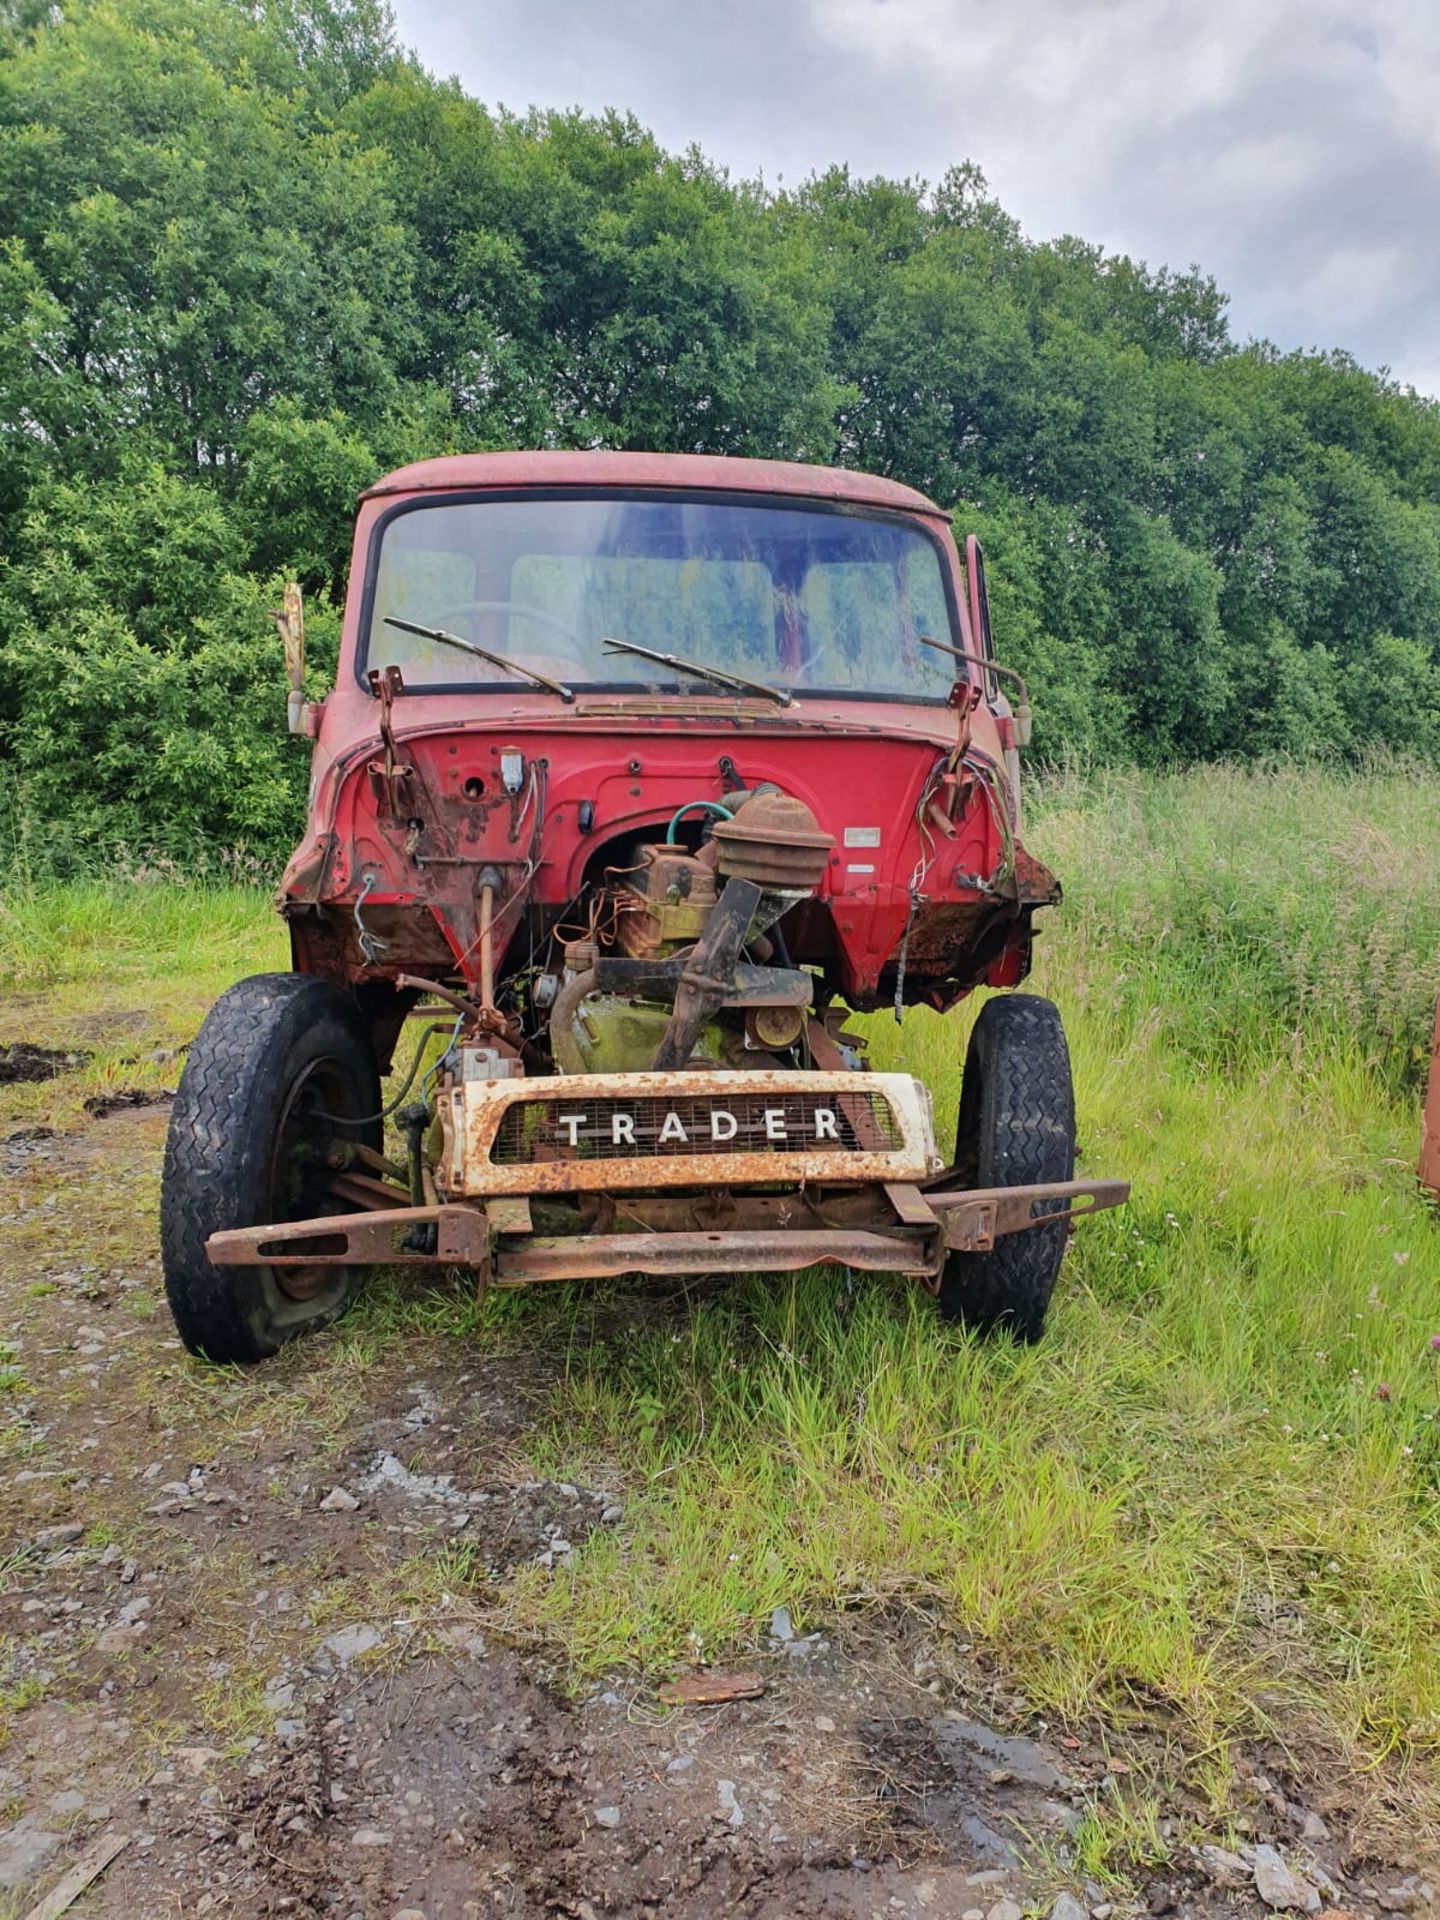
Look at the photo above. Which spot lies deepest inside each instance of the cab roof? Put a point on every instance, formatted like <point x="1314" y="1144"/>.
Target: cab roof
<point x="709" y="473"/>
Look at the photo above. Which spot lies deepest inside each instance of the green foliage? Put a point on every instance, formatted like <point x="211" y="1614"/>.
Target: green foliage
<point x="253" y="255"/>
<point x="140" y="688"/>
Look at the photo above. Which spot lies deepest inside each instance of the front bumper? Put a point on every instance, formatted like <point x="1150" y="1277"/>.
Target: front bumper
<point x="922" y="1229"/>
<point x="675" y="1173"/>
<point x="694" y="1172"/>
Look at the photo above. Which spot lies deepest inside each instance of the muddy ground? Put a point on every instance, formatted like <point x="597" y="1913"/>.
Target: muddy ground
<point x="257" y="1628"/>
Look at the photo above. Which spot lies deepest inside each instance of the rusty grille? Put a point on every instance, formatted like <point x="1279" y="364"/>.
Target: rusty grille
<point x="538" y="1130"/>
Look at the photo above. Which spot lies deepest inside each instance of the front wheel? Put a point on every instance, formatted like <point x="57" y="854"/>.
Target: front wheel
<point x="1016" y="1129"/>
<point x="280" y="1072"/>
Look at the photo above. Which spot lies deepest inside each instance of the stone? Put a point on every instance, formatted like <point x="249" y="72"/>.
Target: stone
<point x="987" y="1844"/>
<point x="781" y="1628"/>
<point x="351" y="1642"/>
<point x="195" y="1760"/>
<point x="1224" y="1868"/>
<point x="410" y="1913"/>
<point x="1006" y="1909"/>
<point x="339" y="1500"/>
<point x="370" y="1837"/>
<point x="65" y="1804"/>
<point x="1279" y="1887"/>
<point x="607" y="1816"/>
<point x="49" y="1538"/>
<point x="729" y="1808"/>
<point x="802" y="1649"/>
<point x="970" y="1745"/>
<point x="824" y="1724"/>
<point x="1313" y="1829"/>
<point x="611" y="1515"/>
<point x="25" y="1851"/>
<point x="1067" y="1907"/>
<point x="1397" y="1900"/>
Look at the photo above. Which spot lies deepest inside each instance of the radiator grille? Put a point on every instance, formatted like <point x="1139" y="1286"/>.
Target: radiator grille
<point x="688" y="1126"/>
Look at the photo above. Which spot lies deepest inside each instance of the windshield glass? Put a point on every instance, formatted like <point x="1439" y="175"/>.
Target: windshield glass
<point x="798" y="599"/>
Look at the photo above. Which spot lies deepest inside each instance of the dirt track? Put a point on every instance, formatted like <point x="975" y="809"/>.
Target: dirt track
<point x="294" y="1708"/>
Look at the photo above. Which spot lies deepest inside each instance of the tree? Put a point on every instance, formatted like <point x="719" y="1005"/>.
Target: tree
<point x="254" y="255"/>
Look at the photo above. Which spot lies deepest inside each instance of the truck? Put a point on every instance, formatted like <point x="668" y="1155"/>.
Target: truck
<point x="643" y="778"/>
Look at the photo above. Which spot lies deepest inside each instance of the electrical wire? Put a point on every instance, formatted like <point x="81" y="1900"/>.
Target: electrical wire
<point x="371" y="946"/>
<point x="917" y="878"/>
<point x="440" y="1063"/>
<point x="369" y="1119"/>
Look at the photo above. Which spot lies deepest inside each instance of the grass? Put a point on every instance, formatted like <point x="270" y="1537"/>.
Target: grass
<point x="1213" y="1493"/>
<point x="123" y="969"/>
<point x="1210" y="1500"/>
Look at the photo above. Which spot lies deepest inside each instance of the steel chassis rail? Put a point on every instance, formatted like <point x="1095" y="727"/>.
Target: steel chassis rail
<point x="924" y="1226"/>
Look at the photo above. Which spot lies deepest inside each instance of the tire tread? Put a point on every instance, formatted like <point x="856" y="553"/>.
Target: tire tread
<point x="1021" y="1132"/>
<point x="211" y="1155"/>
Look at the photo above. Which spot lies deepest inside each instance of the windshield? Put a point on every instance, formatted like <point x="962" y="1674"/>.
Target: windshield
<point x="798" y="599"/>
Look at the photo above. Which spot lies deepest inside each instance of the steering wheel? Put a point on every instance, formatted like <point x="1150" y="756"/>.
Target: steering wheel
<point x="576" y="650"/>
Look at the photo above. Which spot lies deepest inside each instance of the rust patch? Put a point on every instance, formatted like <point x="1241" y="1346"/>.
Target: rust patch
<point x="799" y="1119"/>
<point x="710" y="1689"/>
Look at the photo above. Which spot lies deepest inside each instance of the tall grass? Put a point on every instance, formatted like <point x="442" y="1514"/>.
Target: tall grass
<point x="143" y="924"/>
<point x="123" y="965"/>
<point x="1252" y="913"/>
<point x="1215" y="1488"/>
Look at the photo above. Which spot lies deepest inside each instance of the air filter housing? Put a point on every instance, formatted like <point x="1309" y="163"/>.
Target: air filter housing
<point x="775" y="841"/>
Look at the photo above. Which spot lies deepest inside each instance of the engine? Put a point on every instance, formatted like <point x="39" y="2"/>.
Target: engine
<point x="683" y="960"/>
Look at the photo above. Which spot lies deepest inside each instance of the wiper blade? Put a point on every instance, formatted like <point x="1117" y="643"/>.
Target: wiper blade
<point x="480" y="653"/>
<point x="717" y="674"/>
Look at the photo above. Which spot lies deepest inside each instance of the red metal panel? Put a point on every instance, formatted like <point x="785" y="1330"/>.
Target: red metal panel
<point x="603" y="469"/>
<point x="629" y="759"/>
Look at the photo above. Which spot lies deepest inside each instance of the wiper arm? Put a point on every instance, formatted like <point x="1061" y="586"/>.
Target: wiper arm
<point x="717" y="674"/>
<point x="480" y="653"/>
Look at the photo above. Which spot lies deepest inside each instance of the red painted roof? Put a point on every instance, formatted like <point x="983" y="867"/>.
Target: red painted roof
<point x="707" y="471"/>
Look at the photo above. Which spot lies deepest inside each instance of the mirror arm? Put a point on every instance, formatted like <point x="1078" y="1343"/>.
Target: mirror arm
<point x="1022" y="700"/>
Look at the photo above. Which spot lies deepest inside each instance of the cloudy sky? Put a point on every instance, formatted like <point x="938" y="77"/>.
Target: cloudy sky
<point x="1290" y="147"/>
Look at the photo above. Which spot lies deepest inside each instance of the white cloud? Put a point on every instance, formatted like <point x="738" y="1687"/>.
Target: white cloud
<point x="1290" y="147"/>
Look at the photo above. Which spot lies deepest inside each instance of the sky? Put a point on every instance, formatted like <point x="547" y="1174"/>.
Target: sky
<point x="1291" y="148"/>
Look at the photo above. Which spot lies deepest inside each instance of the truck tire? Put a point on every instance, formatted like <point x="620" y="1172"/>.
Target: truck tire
<point x="278" y="1056"/>
<point x="1016" y="1129"/>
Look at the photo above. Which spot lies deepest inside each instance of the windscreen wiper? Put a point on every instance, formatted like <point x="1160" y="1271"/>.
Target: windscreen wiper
<point x="717" y="674"/>
<point x="480" y="653"/>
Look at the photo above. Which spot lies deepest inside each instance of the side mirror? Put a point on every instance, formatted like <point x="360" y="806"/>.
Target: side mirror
<point x="290" y="619"/>
<point x="985" y="640"/>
